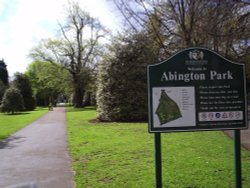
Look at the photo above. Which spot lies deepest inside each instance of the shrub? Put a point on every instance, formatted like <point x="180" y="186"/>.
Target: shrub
<point x="12" y="101"/>
<point x="122" y="80"/>
<point x="22" y="83"/>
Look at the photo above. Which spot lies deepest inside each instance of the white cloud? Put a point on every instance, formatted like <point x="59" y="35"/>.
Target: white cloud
<point x="102" y="10"/>
<point x="22" y="29"/>
<point x="28" y="21"/>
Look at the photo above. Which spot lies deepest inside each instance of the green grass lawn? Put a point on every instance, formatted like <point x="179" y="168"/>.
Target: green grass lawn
<point x="122" y="155"/>
<point x="10" y="124"/>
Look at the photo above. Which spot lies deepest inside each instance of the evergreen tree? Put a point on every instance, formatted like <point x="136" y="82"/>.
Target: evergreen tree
<point x="12" y="101"/>
<point x="2" y="90"/>
<point x="4" y="73"/>
<point x="22" y="83"/>
<point x="122" y="80"/>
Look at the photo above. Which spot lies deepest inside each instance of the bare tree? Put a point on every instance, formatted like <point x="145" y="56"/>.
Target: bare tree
<point x="76" y="49"/>
<point x="174" y="24"/>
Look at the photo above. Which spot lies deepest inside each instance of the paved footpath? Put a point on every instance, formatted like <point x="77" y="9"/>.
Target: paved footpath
<point x="37" y="156"/>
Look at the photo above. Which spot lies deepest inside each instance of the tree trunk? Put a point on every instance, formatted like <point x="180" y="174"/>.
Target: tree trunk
<point x="78" y="98"/>
<point x="78" y="92"/>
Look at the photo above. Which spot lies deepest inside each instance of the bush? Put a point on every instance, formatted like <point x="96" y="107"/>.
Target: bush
<point x="12" y="101"/>
<point x="122" y="80"/>
<point x="22" y="83"/>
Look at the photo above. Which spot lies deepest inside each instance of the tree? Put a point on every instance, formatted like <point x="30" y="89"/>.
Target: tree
<point x="175" y="24"/>
<point x="2" y="90"/>
<point x="12" y="101"/>
<point x="22" y="83"/>
<point x="222" y="26"/>
<point x="122" y="79"/>
<point x="4" y="77"/>
<point x="76" y="50"/>
<point x="48" y="81"/>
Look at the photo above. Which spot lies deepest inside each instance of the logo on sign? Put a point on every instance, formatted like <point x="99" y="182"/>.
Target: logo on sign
<point x="217" y="115"/>
<point x="196" y="55"/>
<point x="204" y="115"/>
<point x="221" y="116"/>
<point x="211" y="115"/>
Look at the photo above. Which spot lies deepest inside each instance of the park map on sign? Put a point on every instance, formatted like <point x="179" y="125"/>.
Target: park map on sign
<point x="167" y="109"/>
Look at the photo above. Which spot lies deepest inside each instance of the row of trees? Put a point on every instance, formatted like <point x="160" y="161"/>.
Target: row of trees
<point x="154" y="30"/>
<point x="77" y="49"/>
<point x="67" y="64"/>
<point x="50" y="82"/>
<point x="42" y="84"/>
<point x="16" y="95"/>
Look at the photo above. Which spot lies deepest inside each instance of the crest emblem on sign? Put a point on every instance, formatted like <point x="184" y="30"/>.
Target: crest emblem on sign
<point x="196" y="55"/>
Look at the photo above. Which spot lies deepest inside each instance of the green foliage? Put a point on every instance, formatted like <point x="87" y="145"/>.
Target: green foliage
<point x="9" y="124"/>
<point x="4" y="77"/>
<point x="22" y="83"/>
<point x="76" y="49"/>
<point x="111" y="155"/>
<point x="2" y="90"/>
<point x="122" y="80"/>
<point x="48" y="81"/>
<point x="12" y="101"/>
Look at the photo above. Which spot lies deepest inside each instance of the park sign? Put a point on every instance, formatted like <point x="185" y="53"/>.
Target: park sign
<point x="196" y="89"/>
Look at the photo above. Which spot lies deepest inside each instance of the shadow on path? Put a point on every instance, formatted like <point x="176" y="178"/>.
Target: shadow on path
<point x="11" y="142"/>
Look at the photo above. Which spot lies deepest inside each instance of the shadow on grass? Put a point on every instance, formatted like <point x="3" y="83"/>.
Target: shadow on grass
<point x="88" y="108"/>
<point x="16" y="114"/>
<point x="96" y="121"/>
<point x="10" y="142"/>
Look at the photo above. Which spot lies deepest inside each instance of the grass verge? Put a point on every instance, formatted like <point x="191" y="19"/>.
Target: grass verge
<point x="122" y="155"/>
<point x="10" y="124"/>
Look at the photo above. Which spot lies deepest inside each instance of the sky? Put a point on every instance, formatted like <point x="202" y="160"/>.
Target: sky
<point x="23" y="23"/>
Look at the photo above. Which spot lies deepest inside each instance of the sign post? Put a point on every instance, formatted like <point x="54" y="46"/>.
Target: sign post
<point x="237" y="159"/>
<point x="158" y="166"/>
<point x="197" y="90"/>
